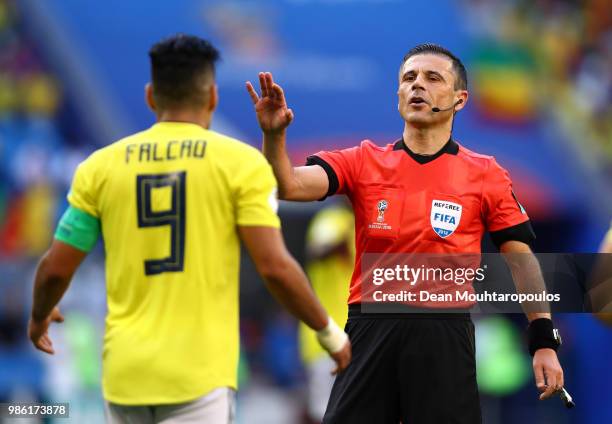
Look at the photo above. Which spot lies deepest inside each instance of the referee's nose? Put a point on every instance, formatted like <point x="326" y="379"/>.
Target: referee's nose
<point x="417" y="84"/>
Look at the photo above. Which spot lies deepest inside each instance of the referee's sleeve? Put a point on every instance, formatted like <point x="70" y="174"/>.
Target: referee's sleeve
<point x="520" y="232"/>
<point x="331" y="174"/>
<point x="505" y="217"/>
<point x="340" y="167"/>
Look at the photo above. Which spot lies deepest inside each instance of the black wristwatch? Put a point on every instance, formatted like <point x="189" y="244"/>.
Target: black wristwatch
<point x="542" y="334"/>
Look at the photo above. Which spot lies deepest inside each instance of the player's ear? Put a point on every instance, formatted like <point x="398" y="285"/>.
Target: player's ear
<point x="213" y="97"/>
<point x="149" y="100"/>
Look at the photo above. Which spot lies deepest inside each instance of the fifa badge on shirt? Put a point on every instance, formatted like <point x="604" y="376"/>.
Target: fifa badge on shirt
<point x="445" y="217"/>
<point x="382" y="207"/>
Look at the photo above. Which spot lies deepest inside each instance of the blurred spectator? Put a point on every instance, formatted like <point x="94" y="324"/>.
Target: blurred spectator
<point x="330" y="247"/>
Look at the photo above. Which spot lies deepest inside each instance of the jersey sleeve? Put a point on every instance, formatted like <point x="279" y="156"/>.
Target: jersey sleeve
<point x="256" y="195"/>
<point x="83" y="193"/>
<point x="341" y="167"/>
<point x="506" y="219"/>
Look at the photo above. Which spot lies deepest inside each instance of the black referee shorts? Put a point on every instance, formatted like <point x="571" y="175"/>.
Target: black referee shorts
<point x="417" y="368"/>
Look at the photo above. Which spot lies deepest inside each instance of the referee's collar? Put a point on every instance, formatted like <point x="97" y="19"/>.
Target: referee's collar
<point x="451" y="147"/>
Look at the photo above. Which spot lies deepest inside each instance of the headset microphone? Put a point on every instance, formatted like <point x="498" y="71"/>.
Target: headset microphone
<point x="437" y="109"/>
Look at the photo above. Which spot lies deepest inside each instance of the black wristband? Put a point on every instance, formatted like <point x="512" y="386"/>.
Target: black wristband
<point x="541" y="334"/>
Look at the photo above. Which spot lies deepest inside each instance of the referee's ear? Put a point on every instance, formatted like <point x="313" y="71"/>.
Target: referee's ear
<point x="462" y="99"/>
<point x="149" y="100"/>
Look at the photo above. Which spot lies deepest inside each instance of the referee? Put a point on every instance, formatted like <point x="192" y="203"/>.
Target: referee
<point x="416" y="368"/>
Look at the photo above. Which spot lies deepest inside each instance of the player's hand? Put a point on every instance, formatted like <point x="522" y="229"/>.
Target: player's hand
<point x="342" y="358"/>
<point x="548" y="372"/>
<point x="271" y="108"/>
<point x="38" y="331"/>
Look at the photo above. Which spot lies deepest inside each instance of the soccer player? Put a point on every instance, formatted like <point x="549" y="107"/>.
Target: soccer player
<point x="172" y="204"/>
<point x="417" y="368"/>
<point x="606" y="243"/>
<point x="330" y="249"/>
<point x="600" y="290"/>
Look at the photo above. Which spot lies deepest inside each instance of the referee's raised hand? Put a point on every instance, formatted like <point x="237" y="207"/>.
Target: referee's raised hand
<point x="271" y="108"/>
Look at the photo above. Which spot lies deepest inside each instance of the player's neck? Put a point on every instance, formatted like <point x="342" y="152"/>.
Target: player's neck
<point x="193" y="117"/>
<point x="425" y="141"/>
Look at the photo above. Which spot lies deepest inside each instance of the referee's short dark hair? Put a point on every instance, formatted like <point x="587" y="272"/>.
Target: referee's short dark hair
<point x="461" y="81"/>
<point x="182" y="66"/>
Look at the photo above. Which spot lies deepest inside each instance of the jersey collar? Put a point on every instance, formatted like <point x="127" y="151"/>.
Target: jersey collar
<point x="451" y="147"/>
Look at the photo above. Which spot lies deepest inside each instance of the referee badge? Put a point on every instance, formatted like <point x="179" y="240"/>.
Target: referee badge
<point x="445" y="217"/>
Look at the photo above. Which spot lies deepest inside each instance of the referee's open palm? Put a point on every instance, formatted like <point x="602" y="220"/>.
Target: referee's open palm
<point x="271" y="108"/>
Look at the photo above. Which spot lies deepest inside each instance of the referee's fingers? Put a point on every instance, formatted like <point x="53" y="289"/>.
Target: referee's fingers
<point x="278" y="92"/>
<point x="550" y="390"/>
<point x="560" y="379"/>
<point x="263" y="85"/>
<point x="554" y="380"/>
<point x="552" y="383"/>
<point x="289" y="115"/>
<point x="252" y="92"/>
<point x="538" y="371"/>
<point x="269" y="83"/>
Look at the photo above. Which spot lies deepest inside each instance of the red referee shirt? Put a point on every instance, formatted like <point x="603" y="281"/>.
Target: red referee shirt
<point x="410" y="203"/>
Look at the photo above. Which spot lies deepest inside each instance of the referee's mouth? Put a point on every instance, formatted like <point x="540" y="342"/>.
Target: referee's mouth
<point x="417" y="101"/>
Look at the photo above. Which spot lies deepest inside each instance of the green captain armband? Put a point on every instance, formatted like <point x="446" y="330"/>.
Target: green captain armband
<point x="78" y="229"/>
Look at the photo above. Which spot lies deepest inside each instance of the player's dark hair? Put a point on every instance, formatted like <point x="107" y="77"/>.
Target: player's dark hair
<point x="461" y="81"/>
<point x="182" y="66"/>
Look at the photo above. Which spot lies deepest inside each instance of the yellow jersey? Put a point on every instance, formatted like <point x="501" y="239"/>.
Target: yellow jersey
<point x="169" y="200"/>
<point x="331" y="275"/>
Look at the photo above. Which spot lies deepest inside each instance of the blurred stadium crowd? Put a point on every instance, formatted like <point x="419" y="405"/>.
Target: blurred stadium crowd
<point x="39" y="146"/>
<point x="35" y="153"/>
<point x="556" y="55"/>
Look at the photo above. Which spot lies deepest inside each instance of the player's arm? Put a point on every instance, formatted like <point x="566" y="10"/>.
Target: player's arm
<point x="76" y="234"/>
<point x="600" y="282"/>
<point x="606" y="243"/>
<point x="287" y="282"/>
<point x="527" y="277"/>
<point x="303" y="183"/>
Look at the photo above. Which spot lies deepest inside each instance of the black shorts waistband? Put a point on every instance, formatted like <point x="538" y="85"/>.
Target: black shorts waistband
<point x="359" y="311"/>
